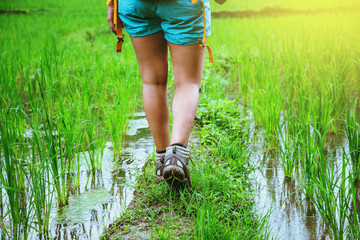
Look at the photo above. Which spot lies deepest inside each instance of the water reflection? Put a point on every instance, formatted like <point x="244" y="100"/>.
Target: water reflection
<point x="293" y="216"/>
<point x="103" y="196"/>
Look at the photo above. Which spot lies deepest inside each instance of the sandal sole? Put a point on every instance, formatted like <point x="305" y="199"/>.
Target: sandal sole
<point x="174" y="176"/>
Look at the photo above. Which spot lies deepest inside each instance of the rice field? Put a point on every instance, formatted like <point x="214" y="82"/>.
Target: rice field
<point x="286" y="86"/>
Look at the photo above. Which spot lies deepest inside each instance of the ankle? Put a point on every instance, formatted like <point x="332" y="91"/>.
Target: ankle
<point x="178" y="144"/>
<point x="160" y="152"/>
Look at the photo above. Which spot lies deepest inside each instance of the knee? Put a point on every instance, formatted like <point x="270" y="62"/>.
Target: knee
<point x="155" y="80"/>
<point x="187" y="85"/>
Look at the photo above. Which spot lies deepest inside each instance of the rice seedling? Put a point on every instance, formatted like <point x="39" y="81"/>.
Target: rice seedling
<point x="289" y="150"/>
<point x="333" y="196"/>
<point x="93" y="145"/>
<point x="354" y="218"/>
<point x="115" y="116"/>
<point x="352" y="130"/>
<point x="41" y="195"/>
<point x="70" y="127"/>
<point x="12" y="177"/>
<point x="267" y="106"/>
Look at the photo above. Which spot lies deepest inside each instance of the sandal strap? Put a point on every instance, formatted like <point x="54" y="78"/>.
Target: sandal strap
<point x="159" y="163"/>
<point x="180" y="157"/>
<point x="182" y="151"/>
<point x="175" y="157"/>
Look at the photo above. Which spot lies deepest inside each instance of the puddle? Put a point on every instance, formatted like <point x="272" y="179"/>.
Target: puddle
<point x="103" y="197"/>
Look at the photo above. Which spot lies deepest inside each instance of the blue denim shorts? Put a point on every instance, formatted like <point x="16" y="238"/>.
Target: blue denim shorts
<point x="181" y="21"/>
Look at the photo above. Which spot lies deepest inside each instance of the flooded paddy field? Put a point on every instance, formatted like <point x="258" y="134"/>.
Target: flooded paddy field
<point x="307" y="115"/>
<point x="103" y="196"/>
<point x="291" y="214"/>
<point x="277" y="129"/>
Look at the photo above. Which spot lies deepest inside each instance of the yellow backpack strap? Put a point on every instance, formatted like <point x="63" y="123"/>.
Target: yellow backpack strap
<point x="119" y="26"/>
<point x="203" y="41"/>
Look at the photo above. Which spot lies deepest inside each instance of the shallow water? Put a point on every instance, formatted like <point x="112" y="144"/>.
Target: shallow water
<point x="291" y="215"/>
<point x="103" y="197"/>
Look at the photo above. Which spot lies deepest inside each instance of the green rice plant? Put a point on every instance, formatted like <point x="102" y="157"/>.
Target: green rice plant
<point x="287" y="4"/>
<point x="354" y="218"/>
<point x="13" y="177"/>
<point x="57" y="167"/>
<point x="38" y="171"/>
<point x="323" y="110"/>
<point x="312" y="155"/>
<point x="289" y="65"/>
<point x="115" y="119"/>
<point x="93" y="142"/>
<point x="29" y="149"/>
<point x="53" y="141"/>
<point x="117" y="111"/>
<point x="71" y="127"/>
<point x="352" y="130"/>
<point x="309" y="156"/>
<point x="266" y="99"/>
<point x="290" y="133"/>
<point x="289" y="147"/>
<point x="333" y="196"/>
<point x="38" y="176"/>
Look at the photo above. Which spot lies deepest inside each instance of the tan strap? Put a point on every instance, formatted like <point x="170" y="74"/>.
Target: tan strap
<point x="203" y="41"/>
<point x="119" y="27"/>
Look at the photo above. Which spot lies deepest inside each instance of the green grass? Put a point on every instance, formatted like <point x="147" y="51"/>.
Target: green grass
<point x="222" y="170"/>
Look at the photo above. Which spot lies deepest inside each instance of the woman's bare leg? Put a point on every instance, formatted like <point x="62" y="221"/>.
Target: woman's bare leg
<point x="188" y="62"/>
<point x="151" y="53"/>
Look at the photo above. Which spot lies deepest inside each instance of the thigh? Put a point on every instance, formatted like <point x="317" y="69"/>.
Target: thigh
<point x="188" y="62"/>
<point x="152" y="56"/>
